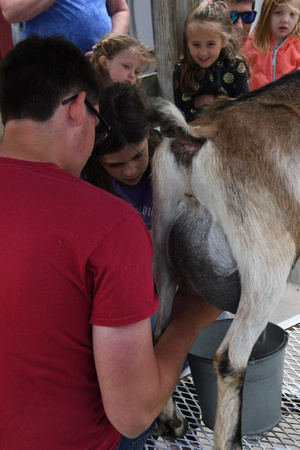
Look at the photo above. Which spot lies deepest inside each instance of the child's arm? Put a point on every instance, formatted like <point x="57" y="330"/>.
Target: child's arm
<point x="184" y="102"/>
<point x="241" y="80"/>
<point x="201" y="100"/>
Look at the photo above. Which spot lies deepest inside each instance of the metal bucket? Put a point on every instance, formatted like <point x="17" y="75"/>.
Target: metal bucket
<point x="261" y="409"/>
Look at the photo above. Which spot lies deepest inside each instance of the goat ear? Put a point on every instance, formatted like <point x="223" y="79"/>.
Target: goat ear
<point x="167" y="130"/>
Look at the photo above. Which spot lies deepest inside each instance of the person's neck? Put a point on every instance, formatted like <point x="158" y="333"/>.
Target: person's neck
<point x="29" y="140"/>
<point x="279" y="41"/>
<point x="23" y="139"/>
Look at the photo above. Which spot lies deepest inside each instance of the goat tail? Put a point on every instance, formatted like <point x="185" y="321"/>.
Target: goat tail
<point x="170" y="119"/>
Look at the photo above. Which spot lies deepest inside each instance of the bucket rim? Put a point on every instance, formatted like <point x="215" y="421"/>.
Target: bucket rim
<point x="252" y="360"/>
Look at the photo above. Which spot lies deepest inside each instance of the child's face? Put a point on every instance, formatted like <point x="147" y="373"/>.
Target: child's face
<point x="128" y="165"/>
<point x="284" y="20"/>
<point x="125" y="66"/>
<point x="204" y="43"/>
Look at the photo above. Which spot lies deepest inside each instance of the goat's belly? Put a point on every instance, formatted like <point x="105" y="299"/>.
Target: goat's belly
<point x="200" y="259"/>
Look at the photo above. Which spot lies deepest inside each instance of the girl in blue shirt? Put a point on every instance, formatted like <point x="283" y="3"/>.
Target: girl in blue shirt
<point x="122" y="163"/>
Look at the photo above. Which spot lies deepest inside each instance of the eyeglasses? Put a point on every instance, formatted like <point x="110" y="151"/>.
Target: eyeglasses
<point x="101" y="135"/>
<point x="247" y="16"/>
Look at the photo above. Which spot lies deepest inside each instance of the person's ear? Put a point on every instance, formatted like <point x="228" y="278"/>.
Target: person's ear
<point x="103" y="61"/>
<point x="77" y="108"/>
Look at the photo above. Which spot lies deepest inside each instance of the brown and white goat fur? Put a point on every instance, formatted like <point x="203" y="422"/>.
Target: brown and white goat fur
<point x="226" y="223"/>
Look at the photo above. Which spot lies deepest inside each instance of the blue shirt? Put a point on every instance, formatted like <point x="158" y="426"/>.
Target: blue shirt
<point x="82" y="22"/>
<point x="139" y="196"/>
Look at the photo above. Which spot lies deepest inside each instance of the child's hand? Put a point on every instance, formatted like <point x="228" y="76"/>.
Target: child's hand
<point x="201" y="100"/>
<point x="90" y="54"/>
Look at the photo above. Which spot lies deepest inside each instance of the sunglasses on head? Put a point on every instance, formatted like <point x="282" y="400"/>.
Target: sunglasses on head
<point x="247" y="17"/>
<point x="100" y="135"/>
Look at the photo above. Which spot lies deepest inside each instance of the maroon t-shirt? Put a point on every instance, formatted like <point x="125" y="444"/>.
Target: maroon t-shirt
<point x="72" y="255"/>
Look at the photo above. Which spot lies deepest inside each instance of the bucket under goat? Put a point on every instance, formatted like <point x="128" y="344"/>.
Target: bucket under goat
<point x="261" y="407"/>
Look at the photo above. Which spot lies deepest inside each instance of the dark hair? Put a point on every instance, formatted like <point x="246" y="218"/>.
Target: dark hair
<point x="125" y="108"/>
<point x="217" y="15"/>
<point x="237" y="2"/>
<point x="39" y="72"/>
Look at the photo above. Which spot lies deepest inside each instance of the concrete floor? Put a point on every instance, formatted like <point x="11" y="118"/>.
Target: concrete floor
<point x="289" y="306"/>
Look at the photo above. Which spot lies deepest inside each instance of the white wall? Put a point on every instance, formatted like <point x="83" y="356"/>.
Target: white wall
<point x="257" y="8"/>
<point x="141" y="21"/>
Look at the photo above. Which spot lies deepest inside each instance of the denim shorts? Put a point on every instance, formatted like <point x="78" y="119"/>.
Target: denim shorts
<point x="136" y="443"/>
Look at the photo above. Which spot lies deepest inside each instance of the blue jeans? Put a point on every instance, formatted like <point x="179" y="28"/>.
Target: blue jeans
<point x="136" y="443"/>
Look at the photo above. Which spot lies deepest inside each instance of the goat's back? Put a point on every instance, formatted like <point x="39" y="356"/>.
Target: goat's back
<point x="256" y="139"/>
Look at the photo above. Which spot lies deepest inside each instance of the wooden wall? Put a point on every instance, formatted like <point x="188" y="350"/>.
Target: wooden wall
<point x="168" y="20"/>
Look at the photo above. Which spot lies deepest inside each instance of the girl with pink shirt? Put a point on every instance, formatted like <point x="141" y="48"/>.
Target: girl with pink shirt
<point x="274" y="47"/>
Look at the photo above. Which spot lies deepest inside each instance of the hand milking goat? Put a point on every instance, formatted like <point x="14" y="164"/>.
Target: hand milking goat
<point x="226" y="224"/>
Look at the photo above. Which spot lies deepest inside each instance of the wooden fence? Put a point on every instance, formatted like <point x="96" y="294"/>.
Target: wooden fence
<point x="168" y="20"/>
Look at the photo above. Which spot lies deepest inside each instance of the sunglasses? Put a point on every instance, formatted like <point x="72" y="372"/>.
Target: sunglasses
<point x="101" y="135"/>
<point x="247" y="17"/>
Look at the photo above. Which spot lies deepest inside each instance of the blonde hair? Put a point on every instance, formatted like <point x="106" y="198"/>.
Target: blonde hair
<point x="112" y="44"/>
<point x="217" y="15"/>
<point x="263" y="29"/>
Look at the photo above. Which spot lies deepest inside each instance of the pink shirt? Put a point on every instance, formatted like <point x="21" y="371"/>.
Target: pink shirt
<point x="268" y="67"/>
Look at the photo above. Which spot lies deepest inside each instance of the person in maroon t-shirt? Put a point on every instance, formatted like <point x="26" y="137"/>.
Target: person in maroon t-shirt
<point x="78" y="369"/>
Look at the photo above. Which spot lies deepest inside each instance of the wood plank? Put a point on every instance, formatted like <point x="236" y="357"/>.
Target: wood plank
<point x="165" y="41"/>
<point x="183" y="7"/>
<point x="150" y="85"/>
<point x="168" y="22"/>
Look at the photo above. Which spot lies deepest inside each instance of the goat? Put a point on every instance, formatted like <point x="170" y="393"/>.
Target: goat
<point x="226" y="208"/>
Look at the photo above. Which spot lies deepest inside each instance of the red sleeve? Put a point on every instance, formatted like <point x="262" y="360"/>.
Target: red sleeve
<point x="123" y="280"/>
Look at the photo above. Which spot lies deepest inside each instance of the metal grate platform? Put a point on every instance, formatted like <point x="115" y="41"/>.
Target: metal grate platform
<point x="285" y="435"/>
